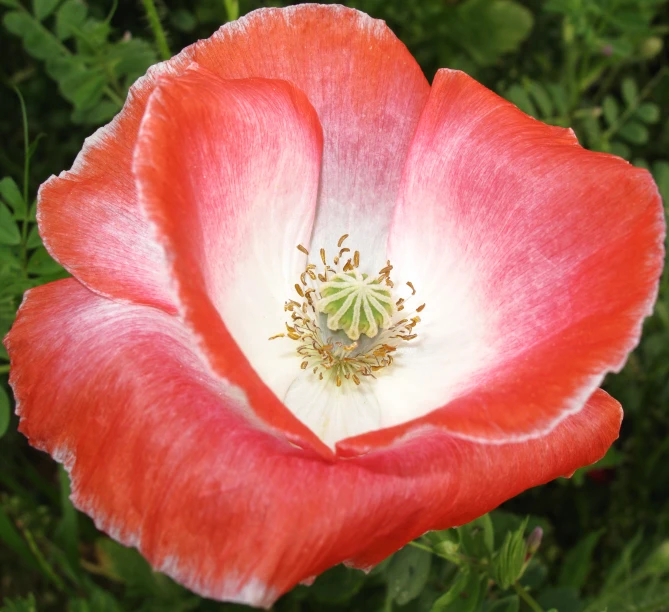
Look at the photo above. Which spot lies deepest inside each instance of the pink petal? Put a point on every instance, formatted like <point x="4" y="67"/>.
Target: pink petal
<point x="167" y="457"/>
<point x="228" y="172"/>
<point x="538" y="261"/>
<point x="368" y="92"/>
<point x="365" y="86"/>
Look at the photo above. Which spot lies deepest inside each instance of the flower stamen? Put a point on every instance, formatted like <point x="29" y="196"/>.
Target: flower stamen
<point x="340" y="301"/>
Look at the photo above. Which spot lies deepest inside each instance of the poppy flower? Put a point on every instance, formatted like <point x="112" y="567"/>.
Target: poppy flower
<point x="445" y="281"/>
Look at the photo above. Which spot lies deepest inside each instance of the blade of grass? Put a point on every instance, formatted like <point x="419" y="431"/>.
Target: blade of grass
<point x="10" y="535"/>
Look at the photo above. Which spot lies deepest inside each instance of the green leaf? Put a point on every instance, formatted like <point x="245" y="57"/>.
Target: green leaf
<point x="9" y="260"/>
<point x="9" y="231"/>
<point x="661" y="176"/>
<point x="10" y="3"/>
<point x="99" y="601"/>
<point x="630" y="91"/>
<point x="648" y="112"/>
<point x="5" y="412"/>
<point x="126" y="565"/>
<point x="15" y="542"/>
<point x="41" y="264"/>
<point x="337" y="585"/>
<point x="408" y="574"/>
<point x="84" y="88"/>
<point x="622" y="567"/>
<point x="92" y="37"/>
<point x="132" y="58"/>
<point x="38" y="42"/>
<point x="12" y="195"/>
<point x="34" y="239"/>
<point x="463" y="596"/>
<point x="17" y="22"/>
<point x="70" y="18"/>
<point x="44" y="8"/>
<point x="67" y="532"/>
<point x="610" y="109"/>
<point x="183" y="20"/>
<point x="593" y="132"/>
<point x="560" y="98"/>
<point x="487" y="29"/>
<point x="508" y="604"/>
<point x="507" y="565"/>
<point x="477" y="539"/>
<point x="97" y="115"/>
<point x="561" y="598"/>
<point x="62" y="66"/>
<point x="518" y="96"/>
<point x="542" y="99"/>
<point x="620" y="149"/>
<point x="634" y="132"/>
<point x="24" y="604"/>
<point x="658" y="561"/>
<point x="578" y="561"/>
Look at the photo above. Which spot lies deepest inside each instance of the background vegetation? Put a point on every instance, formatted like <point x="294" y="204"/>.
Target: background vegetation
<point x="596" y="65"/>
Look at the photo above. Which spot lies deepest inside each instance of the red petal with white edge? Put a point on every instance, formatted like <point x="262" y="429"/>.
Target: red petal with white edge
<point x="538" y="261"/>
<point x="364" y="84"/>
<point x="368" y="92"/>
<point x="165" y="456"/>
<point x="89" y="218"/>
<point x="228" y="171"/>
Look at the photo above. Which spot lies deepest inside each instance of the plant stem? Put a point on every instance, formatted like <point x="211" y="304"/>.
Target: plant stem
<point x="156" y="26"/>
<point x="422" y="547"/>
<point x="4" y="369"/>
<point x="48" y="570"/>
<point x="26" y="179"/>
<point x="527" y="598"/>
<point x="113" y="96"/>
<point x="232" y="9"/>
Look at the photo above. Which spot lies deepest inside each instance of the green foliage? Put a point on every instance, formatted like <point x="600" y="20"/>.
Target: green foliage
<point x="509" y="562"/>
<point x="5" y="412"/>
<point x="93" y="71"/>
<point x="20" y="604"/>
<point x="578" y="562"/>
<point x="407" y="574"/>
<point x="597" y="66"/>
<point x="488" y="29"/>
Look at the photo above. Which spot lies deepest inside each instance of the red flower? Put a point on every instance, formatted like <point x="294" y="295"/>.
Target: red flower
<point x="188" y="434"/>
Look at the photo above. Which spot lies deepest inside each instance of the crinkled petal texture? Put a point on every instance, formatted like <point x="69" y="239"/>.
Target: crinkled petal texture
<point x="538" y="261"/>
<point x="166" y="456"/>
<point x="228" y="172"/>
<point x="368" y="92"/>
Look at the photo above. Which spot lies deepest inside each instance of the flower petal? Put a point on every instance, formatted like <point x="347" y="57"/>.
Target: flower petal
<point x="167" y="457"/>
<point x="89" y="218"/>
<point x="365" y="86"/>
<point x="538" y="261"/>
<point x="368" y="92"/>
<point x="228" y="172"/>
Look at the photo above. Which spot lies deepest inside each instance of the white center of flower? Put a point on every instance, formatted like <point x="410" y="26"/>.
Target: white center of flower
<point x="347" y="323"/>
